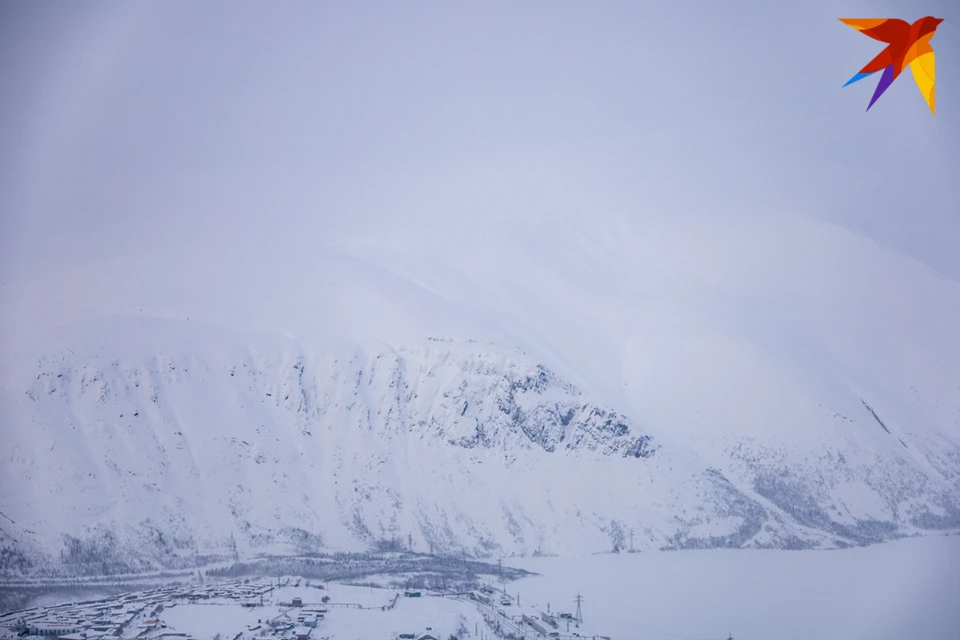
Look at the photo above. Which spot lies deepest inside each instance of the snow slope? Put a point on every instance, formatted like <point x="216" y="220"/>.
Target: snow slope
<point x="541" y="388"/>
<point x="905" y="589"/>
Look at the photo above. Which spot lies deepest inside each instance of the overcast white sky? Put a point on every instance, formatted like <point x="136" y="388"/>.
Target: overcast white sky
<point x="130" y="126"/>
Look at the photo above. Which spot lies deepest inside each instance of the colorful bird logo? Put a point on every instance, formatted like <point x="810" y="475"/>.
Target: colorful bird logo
<point x="907" y="44"/>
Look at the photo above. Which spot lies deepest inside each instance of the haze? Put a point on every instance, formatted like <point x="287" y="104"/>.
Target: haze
<point x="131" y="127"/>
<point x="484" y="280"/>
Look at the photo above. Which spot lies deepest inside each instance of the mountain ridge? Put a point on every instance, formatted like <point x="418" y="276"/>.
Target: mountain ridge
<point x="749" y="363"/>
<point x="461" y="447"/>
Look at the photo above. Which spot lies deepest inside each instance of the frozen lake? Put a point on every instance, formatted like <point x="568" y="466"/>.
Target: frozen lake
<point x="904" y="589"/>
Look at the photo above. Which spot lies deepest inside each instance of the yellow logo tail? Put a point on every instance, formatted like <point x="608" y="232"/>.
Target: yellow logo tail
<point x="924" y="73"/>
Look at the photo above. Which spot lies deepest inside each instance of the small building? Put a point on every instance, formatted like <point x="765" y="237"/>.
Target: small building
<point x="549" y="619"/>
<point x="42" y="629"/>
<point x="411" y="594"/>
<point x="73" y="636"/>
<point x="298" y="602"/>
<point x="533" y="623"/>
<point x="302" y="633"/>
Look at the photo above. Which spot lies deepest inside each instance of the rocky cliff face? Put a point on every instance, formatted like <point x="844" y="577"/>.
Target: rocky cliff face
<point x="180" y="443"/>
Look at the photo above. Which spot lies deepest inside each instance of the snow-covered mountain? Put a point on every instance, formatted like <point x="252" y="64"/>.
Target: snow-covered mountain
<point x="570" y="388"/>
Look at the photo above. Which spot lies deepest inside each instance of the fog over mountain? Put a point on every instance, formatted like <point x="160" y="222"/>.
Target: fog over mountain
<point x="284" y="278"/>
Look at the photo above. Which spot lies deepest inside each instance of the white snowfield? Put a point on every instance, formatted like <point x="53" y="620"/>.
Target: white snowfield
<point x="343" y="620"/>
<point x="903" y="589"/>
<point x="574" y="387"/>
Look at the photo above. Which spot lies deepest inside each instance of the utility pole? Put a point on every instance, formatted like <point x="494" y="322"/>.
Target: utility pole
<point x="579" y="614"/>
<point x="631" y="539"/>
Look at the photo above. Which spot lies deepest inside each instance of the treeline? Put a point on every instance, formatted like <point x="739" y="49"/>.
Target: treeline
<point x="432" y="571"/>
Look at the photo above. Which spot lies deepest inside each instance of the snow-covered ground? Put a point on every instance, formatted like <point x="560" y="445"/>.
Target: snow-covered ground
<point x="442" y="616"/>
<point x="208" y="620"/>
